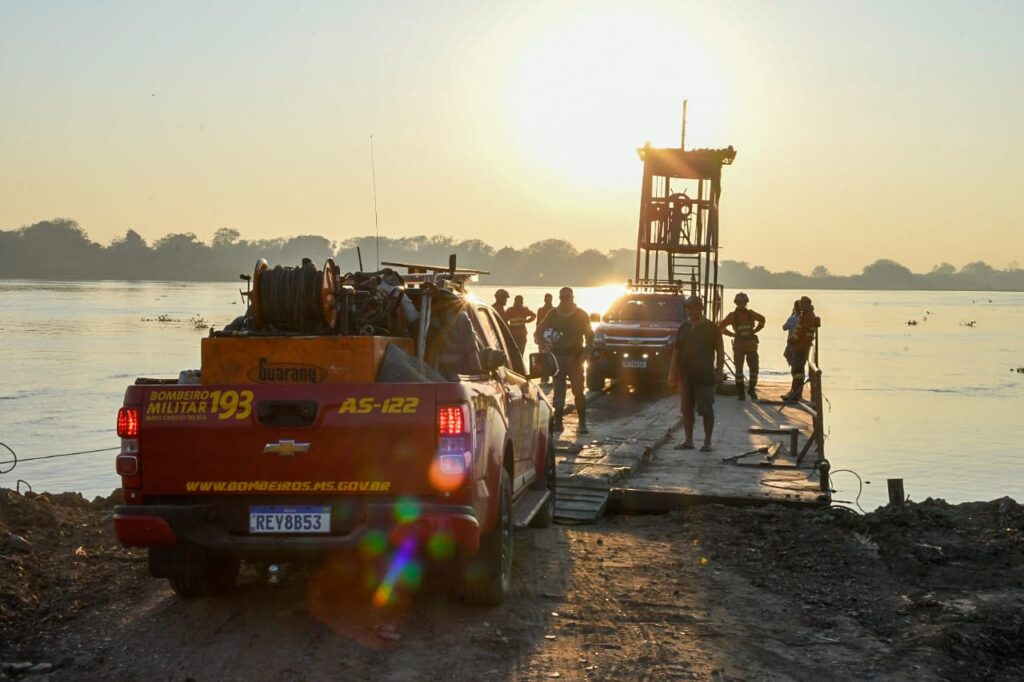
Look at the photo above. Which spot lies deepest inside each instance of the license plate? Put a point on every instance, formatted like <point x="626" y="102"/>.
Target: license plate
<point x="290" y="519"/>
<point x="636" y="364"/>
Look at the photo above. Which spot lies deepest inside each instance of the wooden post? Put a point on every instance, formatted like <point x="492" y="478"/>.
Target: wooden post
<point x="896" y="494"/>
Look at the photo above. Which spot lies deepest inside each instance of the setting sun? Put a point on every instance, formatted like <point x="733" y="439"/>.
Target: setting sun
<point x="586" y="92"/>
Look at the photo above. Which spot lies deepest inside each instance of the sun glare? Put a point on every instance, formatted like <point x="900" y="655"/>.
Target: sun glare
<point x="590" y="90"/>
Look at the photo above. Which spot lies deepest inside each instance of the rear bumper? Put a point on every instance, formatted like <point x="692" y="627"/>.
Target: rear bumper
<point x="195" y="525"/>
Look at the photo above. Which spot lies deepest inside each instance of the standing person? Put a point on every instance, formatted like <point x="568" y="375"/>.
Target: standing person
<point x="788" y="326"/>
<point x="500" y="299"/>
<point x="746" y="324"/>
<point x="542" y="312"/>
<point x="698" y="361"/>
<point x="517" y="317"/>
<point x="801" y="338"/>
<point x="544" y="309"/>
<point x="566" y="332"/>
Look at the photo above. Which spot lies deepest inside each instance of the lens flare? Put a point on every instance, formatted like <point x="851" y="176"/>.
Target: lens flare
<point x="403" y="558"/>
<point x="407" y="510"/>
<point x="373" y="544"/>
<point x="441" y="546"/>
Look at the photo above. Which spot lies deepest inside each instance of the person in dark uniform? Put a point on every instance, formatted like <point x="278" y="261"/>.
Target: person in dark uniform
<point x="566" y="332"/>
<point x="698" y="361"/>
<point x="746" y="324"/>
<point x="544" y="309"/>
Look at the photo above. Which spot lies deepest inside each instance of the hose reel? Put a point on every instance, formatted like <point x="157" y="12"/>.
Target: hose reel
<point x="309" y="301"/>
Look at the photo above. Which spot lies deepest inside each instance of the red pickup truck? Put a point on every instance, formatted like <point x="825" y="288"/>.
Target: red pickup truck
<point x="421" y="439"/>
<point x="634" y="338"/>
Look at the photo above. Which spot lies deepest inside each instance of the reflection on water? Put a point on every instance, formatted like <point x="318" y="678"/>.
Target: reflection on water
<point x="935" y="403"/>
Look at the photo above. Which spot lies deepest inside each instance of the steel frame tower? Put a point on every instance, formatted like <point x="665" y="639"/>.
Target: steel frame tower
<point x="677" y="244"/>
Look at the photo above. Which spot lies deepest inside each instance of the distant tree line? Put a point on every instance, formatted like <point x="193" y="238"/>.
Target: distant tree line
<point x="882" y="274"/>
<point x="60" y="249"/>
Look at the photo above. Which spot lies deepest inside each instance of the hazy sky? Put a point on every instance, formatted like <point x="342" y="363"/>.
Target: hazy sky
<point x="863" y="130"/>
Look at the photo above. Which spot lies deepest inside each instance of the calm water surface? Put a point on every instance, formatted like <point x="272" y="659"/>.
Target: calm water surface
<point x="937" y="404"/>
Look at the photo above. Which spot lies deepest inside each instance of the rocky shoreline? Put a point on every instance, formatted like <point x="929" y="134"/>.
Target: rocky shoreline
<point x="927" y="590"/>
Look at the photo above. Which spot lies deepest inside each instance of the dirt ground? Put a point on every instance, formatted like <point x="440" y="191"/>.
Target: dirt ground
<point x="927" y="591"/>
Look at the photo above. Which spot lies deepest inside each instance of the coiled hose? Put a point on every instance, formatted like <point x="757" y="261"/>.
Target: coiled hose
<point x="289" y="298"/>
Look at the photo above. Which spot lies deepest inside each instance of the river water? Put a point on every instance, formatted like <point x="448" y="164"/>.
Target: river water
<point x="937" y="403"/>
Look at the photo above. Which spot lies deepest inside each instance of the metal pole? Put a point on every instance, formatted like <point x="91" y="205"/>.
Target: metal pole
<point x="682" y="138"/>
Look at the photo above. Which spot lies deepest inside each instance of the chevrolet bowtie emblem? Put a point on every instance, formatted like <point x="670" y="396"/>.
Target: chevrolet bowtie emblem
<point x="285" y="448"/>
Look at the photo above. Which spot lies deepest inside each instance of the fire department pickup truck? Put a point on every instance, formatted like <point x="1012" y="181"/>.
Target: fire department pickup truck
<point x="381" y="418"/>
<point x="633" y="340"/>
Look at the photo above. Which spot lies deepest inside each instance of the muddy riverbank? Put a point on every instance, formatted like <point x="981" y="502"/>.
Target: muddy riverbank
<point x="926" y="591"/>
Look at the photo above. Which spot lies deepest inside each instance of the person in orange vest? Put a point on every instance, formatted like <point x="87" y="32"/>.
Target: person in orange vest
<point x="801" y="338"/>
<point x="746" y="324"/>
<point x="517" y="317"/>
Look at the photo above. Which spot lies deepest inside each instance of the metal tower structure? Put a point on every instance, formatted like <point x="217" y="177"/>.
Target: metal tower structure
<point x="677" y="243"/>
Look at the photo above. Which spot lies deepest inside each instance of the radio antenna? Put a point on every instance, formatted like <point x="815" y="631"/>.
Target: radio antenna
<point x="376" y="223"/>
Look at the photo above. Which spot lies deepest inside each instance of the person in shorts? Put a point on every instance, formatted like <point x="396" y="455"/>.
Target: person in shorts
<point x="697" y="367"/>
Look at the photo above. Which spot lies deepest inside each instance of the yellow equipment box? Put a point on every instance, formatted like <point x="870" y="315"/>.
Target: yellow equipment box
<point x="295" y="359"/>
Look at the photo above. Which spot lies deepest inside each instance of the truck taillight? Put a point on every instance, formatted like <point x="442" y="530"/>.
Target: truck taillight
<point x="128" y="465"/>
<point x="454" y="447"/>
<point x="128" y="422"/>
<point x="452" y="420"/>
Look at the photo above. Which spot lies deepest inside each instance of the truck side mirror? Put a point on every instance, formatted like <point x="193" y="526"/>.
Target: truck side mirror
<point x="492" y="359"/>
<point x="543" y="365"/>
<point x="595" y="317"/>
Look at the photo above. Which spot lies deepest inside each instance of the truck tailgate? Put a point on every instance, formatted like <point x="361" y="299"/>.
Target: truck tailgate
<point x="360" y="439"/>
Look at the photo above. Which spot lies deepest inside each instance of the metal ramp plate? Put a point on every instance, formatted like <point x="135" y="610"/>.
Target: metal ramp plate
<point x="580" y="505"/>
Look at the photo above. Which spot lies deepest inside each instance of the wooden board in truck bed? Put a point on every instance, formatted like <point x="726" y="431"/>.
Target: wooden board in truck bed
<point x="295" y="359"/>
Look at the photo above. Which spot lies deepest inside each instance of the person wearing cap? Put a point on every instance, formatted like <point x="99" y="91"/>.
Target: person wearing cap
<point x="500" y="299"/>
<point x="746" y="324"/>
<point x="698" y="361"/>
<point x="801" y="338"/>
<point x="517" y="317"/>
<point x="566" y="332"/>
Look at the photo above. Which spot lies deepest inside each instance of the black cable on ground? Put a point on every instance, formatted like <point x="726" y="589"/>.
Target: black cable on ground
<point x="17" y="460"/>
<point x="860" y="481"/>
<point x="13" y="462"/>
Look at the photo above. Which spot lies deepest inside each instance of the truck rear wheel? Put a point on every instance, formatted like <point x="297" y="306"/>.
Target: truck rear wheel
<point x="192" y="573"/>
<point x="487" y="576"/>
<point x="546" y="515"/>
